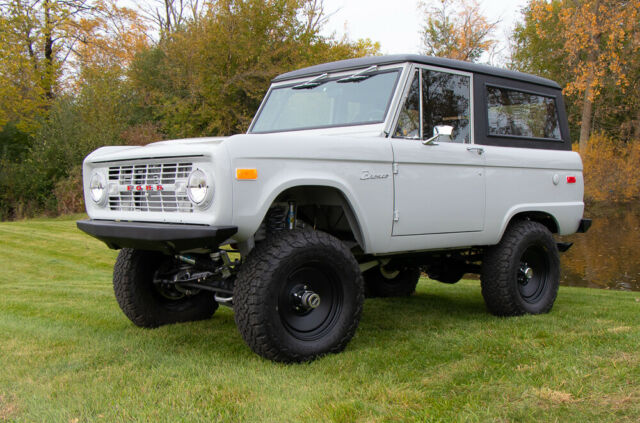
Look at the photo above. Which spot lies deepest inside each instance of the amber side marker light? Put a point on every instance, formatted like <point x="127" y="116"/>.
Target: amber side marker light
<point x="246" y="174"/>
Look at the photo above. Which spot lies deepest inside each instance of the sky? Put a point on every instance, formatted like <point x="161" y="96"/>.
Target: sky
<point x="396" y="24"/>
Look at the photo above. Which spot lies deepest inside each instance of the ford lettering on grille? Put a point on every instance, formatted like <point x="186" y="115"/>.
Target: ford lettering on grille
<point x="150" y="187"/>
<point x="145" y="188"/>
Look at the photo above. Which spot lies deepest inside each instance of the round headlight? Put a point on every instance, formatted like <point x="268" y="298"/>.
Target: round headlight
<point x="98" y="187"/>
<point x="198" y="187"/>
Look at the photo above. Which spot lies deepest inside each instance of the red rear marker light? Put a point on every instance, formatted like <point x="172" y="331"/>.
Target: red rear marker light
<point x="571" y="179"/>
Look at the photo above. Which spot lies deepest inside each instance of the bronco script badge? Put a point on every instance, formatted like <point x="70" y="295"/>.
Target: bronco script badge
<point x="370" y="175"/>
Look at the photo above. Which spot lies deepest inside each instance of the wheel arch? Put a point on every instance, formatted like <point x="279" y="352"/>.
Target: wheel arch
<point x="323" y="195"/>
<point x="542" y="217"/>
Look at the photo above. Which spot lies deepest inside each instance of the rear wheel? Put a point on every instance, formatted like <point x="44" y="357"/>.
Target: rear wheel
<point x="298" y="295"/>
<point x="387" y="281"/>
<point x="148" y="304"/>
<point x="521" y="274"/>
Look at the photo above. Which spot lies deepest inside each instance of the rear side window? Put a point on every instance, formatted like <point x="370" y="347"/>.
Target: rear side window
<point x="514" y="113"/>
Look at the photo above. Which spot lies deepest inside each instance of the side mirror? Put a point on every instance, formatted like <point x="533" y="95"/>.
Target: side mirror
<point x="439" y="131"/>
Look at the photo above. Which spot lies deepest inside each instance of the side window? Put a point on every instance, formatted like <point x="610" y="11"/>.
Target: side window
<point x="520" y="114"/>
<point x="446" y="101"/>
<point x="409" y="119"/>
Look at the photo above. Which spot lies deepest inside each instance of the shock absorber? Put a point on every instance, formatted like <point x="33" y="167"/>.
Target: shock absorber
<point x="291" y="216"/>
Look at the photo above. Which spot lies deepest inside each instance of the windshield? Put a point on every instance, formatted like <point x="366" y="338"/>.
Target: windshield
<point x="326" y="102"/>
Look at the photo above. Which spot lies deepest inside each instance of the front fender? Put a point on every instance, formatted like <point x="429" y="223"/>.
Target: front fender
<point x="248" y="214"/>
<point x="285" y="161"/>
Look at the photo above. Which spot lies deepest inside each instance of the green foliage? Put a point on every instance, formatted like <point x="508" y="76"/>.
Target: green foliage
<point x="74" y="127"/>
<point x="205" y="76"/>
<point x="209" y="77"/>
<point x="13" y="142"/>
<point x="537" y="48"/>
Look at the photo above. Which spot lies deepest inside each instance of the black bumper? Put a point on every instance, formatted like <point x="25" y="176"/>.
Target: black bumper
<point x="165" y="237"/>
<point x="584" y="226"/>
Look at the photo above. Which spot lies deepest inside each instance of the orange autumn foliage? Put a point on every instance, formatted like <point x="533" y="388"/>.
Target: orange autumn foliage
<point x="611" y="170"/>
<point x="109" y="38"/>
<point x="598" y="45"/>
<point x="457" y="29"/>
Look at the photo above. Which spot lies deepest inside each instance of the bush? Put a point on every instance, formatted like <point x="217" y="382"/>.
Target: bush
<point x="142" y="134"/>
<point x="45" y="177"/>
<point x="68" y="193"/>
<point x="611" y="170"/>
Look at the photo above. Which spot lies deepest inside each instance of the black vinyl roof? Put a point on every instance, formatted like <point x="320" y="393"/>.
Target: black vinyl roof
<point x="348" y="64"/>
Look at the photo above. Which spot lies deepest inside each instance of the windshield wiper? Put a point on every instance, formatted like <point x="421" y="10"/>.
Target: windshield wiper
<point x="312" y="83"/>
<point x="359" y="76"/>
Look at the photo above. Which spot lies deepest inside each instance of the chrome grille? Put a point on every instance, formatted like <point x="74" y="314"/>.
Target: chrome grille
<point x="150" y="187"/>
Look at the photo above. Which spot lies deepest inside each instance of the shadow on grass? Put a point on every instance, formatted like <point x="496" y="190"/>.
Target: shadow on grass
<point x="384" y="320"/>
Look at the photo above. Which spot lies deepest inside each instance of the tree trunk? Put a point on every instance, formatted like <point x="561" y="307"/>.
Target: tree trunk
<point x="585" y="122"/>
<point x="587" y="104"/>
<point x="48" y="51"/>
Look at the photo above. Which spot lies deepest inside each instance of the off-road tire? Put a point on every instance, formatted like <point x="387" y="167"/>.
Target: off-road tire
<point x="140" y="300"/>
<point x="505" y="288"/>
<point x="377" y="284"/>
<point x="266" y="320"/>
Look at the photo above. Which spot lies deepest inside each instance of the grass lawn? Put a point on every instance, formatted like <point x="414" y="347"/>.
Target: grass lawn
<point x="68" y="354"/>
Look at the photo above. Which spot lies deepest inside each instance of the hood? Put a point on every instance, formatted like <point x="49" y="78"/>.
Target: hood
<point x="161" y="149"/>
<point x="187" y="141"/>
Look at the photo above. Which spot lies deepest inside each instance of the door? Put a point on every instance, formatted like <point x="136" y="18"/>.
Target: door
<point x="439" y="187"/>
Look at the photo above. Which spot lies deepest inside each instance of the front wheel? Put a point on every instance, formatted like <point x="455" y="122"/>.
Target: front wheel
<point x="521" y="274"/>
<point x="148" y="304"/>
<point x="298" y="295"/>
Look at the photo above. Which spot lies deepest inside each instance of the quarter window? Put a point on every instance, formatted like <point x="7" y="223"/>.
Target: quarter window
<point x="520" y="114"/>
<point x="409" y="119"/>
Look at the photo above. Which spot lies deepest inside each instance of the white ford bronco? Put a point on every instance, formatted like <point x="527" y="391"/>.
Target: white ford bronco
<point x="353" y="179"/>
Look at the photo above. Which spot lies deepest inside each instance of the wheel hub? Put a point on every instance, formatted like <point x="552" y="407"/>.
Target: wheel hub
<point x="304" y="299"/>
<point x="525" y="274"/>
<point x="533" y="274"/>
<point x="310" y="301"/>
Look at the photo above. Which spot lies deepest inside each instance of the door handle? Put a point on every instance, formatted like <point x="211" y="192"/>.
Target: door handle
<point x="478" y="150"/>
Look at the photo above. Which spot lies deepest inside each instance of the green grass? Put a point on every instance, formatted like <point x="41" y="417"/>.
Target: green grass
<point x="68" y="354"/>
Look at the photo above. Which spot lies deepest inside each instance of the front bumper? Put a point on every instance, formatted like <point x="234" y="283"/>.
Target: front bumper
<point x="166" y="237"/>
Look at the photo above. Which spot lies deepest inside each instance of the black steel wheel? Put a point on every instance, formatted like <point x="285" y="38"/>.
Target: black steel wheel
<point x="310" y="300"/>
<point x="298" y="295"/>
<point x="521" y="274"/>
<point x="148" y="304"/>
<point x="533" y="273"/>
<point x="390" y="281"/>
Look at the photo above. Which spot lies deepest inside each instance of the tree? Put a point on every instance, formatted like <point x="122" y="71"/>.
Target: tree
<point x="170" y="15"/>
<point x="108" y="39"/>
<point x="209" y="77"/>
<point x="47" y="43"/>
<point x="592" y="46"/>
<point x="457" y="29"/>
<point x="62" y="93"/>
